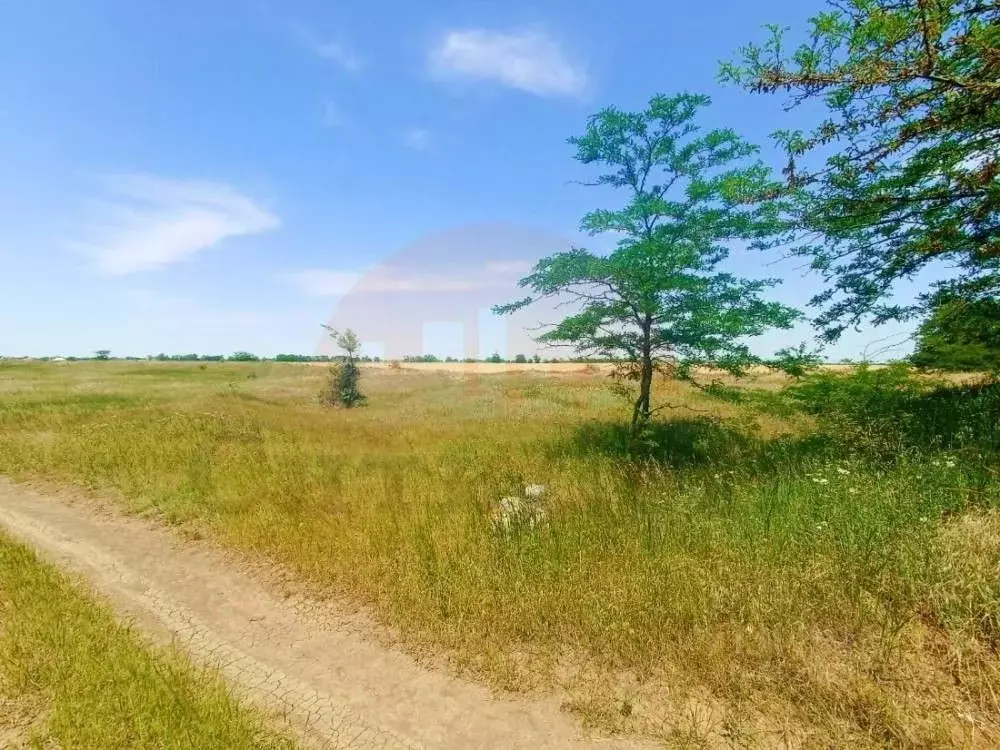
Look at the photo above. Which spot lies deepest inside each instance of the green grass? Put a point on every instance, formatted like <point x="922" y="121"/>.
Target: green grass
<point x="73" y="677"/>
<point x="744" y="571"/>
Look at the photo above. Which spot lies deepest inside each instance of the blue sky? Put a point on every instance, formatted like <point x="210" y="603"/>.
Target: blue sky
<point x="220" y="175"/>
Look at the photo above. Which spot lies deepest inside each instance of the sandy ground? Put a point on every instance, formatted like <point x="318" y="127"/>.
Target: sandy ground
<point x="334" y="685"/>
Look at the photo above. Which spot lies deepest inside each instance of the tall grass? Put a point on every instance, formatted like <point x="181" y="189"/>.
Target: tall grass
<point x="779" y="564"/>
<point x="75" y="678"/>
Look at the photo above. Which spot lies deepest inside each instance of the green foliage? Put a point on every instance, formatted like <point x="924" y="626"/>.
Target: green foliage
<point x="796" y="361"/>
<point x="343" y="387"/>
<point x="960" y="335"/>
<point x="911" y="148"/>
<point x="657" y="302"/>
<point x="520" y="359"/>
<point x="494" y="358"/>
<point x="102" y="354"/>
<point x="243" y="357"/>
<point x="888" y="411"/>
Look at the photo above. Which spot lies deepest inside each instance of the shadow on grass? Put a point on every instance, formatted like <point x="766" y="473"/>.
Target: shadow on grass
<point x="878" y="416"/>
<point x="891" y="410"/>
<point x="692" y="442"/>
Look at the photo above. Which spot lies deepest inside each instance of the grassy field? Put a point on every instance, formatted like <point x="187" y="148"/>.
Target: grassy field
<point x="71" y="676"/>
<point x="812" y="565"/>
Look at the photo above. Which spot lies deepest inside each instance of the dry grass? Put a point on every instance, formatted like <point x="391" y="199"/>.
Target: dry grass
<point x="72" y="677"/>
<point x="748" y="583"/>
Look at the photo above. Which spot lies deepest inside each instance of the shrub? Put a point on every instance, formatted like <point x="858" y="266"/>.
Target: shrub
<point x="960" y="335"/>
<point x="885" y="410"/>
<point x="342" y="386"/>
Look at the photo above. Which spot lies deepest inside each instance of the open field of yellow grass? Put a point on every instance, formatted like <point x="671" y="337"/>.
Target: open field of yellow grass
<point x="740" y="575"/>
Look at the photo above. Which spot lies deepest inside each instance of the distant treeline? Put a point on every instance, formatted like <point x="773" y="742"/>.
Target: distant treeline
<point x="250" y="357"/>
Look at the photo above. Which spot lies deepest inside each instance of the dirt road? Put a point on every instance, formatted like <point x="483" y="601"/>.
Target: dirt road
<point x="334" y="685"/>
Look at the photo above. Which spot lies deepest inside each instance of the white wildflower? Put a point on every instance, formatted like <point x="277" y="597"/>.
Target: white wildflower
<point x="534" y="491"/>
<point x="842" y="472"/>
<point x="950" y="464"/>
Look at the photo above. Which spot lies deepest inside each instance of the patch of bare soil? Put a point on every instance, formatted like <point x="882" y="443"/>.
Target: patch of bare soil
<point x="21" y="719"/>
<point x="335" y="685"/>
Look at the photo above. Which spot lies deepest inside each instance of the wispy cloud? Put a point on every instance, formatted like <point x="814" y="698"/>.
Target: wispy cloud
<point x="388" y="279"/>
<point x="528" y="60"/>
<point x="331" y="115"/>
<point x="417" y="138"/>
<point x="180" y="312"/>
<point x="332" y="50"/>
<point x="338" y="53"/>
<point x="145" y="223"/>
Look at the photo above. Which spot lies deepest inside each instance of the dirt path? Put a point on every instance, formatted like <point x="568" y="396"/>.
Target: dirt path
<point x="334" y="685"/>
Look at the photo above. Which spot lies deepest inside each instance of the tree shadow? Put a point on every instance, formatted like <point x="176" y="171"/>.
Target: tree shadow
<point x="877" y="422"/>
<point x="691" y="442"/>
<point x="892" y="409"/>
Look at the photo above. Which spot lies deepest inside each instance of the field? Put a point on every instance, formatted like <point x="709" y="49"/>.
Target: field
<point x="70" y="676"/>
<point x="808" y="564"/>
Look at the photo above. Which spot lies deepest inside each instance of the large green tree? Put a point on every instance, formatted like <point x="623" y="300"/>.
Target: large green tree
<point x="960" y="335"/>
<point x="903" y="170"/>
<point x="658" y="300"/>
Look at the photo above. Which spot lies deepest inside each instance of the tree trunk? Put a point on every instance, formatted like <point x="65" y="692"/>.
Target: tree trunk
<point x="641" y="411"/>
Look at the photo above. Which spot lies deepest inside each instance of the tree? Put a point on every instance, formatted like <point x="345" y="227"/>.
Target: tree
<point x="960" y="335"/>
<point x="494" y="359"/>
<point x="343" y="386"/>
<point x="657" y="301"/>
<point x="520" y="359"/>
<point x="102" y="354"/>
<point x="243" y="357"/>
<point x="907" y="160"/>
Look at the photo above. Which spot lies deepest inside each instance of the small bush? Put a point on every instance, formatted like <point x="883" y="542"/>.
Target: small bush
<point x="885" y="410"/>
<point x="342" y="386"/>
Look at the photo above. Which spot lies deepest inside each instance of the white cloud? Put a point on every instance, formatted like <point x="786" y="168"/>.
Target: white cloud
<point x="338" y="53"/>
<point x="528" y="60"/>
<point x="154" y="320"/>
<point x="388" y="279"/>
<point x="417" y="138"/>
<point x="323" y="283"/>
<point x="180" y="312"/>
<point x="331" y="115"/>
<point x="146" y="222"/>
<point x="517" y="267"/>
<point x="333" y="50"/>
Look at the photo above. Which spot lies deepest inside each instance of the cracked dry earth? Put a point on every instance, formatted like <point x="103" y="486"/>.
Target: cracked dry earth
<point x="333" y="685"/>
